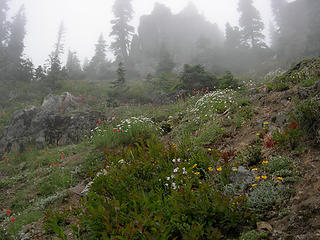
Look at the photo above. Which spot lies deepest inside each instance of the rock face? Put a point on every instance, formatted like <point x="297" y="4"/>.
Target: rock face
<point x="58" y="121"/>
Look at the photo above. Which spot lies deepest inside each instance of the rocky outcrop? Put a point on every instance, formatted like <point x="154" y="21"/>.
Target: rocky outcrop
<point x="59" y="120"/>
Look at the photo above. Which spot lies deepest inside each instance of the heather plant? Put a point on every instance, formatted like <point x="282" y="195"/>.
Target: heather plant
<point x="126" y="132"/>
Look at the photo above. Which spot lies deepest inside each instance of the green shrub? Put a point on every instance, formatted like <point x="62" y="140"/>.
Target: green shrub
<point x="254" y="235"/>
<point x="228" y="81"/>
<point x="196" y="77"/>
<point x="253" y="154"/>
<point x="307" y="115"/>
<point x="149" y="191"/>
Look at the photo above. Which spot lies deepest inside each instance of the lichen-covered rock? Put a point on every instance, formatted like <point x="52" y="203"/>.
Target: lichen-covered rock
<point x="56" y="122"/>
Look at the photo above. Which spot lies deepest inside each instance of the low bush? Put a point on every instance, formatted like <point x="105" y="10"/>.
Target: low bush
<point x="128" y="131"/>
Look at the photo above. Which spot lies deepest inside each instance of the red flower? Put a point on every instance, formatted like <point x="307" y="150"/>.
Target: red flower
<point x="270" y="143"/>
<point x="99" y="120"/>
<point x="52" y="165"/>
<point x="58" y="164"/>
<point x="119" y="130"/>
<point x="38" y="170"/>
<point x="113" y="130"/>
<point x="47" y="153"/>
<point x="97" y="124"/>
<point x="12" y="219"/>
<point x="8" y="212"/>
<point x="30" y="149"/>
<point x="293" y="125"/>
<point x="62" y="156"/>
<point x="5" y="160"/>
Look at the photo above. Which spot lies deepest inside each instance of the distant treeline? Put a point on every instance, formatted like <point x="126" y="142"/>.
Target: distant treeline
<point x="164" y="42"/>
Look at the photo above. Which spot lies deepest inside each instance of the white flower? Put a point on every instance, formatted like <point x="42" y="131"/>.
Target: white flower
<point x="175" y="170"/>
<point x="178" y="160"/>
<point x="166" y="184"/>
<point x="168" y="178"/>
<point x="173" y="160"/>
<point x="174" y="186"/>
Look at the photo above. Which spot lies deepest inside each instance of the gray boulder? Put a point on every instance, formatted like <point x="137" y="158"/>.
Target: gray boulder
<point x="57" y="121"/>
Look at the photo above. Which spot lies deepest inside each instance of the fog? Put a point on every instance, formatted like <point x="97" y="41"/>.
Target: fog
<point x="84" y="20"/>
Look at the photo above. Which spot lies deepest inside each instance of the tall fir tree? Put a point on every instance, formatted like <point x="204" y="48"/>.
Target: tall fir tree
<point x="121" y="30"/>
<point x="73" y="66"/>
<point x="251" y="25"/>
<point x="16" y="39"/>
<point x="97" y="64"/>
<point x="55" y="71"/>
<point x="3" y="22"/>
<point x="4" y="30"/>
<point x="166" y="63"/>
<point x="121" y="79"/>
<point x="233" y="37"/>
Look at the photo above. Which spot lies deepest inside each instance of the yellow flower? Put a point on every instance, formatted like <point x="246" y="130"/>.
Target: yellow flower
<point x="258" y="178"/>
<point x="253" y="185"/>
<point x="265" y="162"/>
<point x="254" y="169"/>
<point x="264" y="177"/>
<point x="258" y="134"/>
<point x="209" y="149"/>
<point x="197" y="173"/>
<point x="234" y="169"/>
<point x="210" y="169"/>
<point x="219" y="169"/>
<point x="280" y="178"/>
<point x="265" y="123"/>
<point x="194" y="165"/>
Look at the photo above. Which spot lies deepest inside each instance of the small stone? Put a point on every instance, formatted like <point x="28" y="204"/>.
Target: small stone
<point x="264" y="226"/>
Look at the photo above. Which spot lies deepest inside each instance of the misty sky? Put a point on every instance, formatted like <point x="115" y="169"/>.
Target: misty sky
<point x="84" y="20"/>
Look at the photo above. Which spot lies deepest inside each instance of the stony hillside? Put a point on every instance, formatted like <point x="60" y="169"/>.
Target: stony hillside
<point x="225" y="164"/>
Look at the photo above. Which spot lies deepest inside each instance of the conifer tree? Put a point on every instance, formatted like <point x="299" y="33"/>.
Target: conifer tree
<point x="73" y="66"/>
<point x="119" y="83"/>
<point x="55" y="71"/>
<point x="16" y="39"/>
<point x="251" y="24"/>
<point x="233" y="37"/>
<point x="121" y="30"/>
<point x="3" y="22"/>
